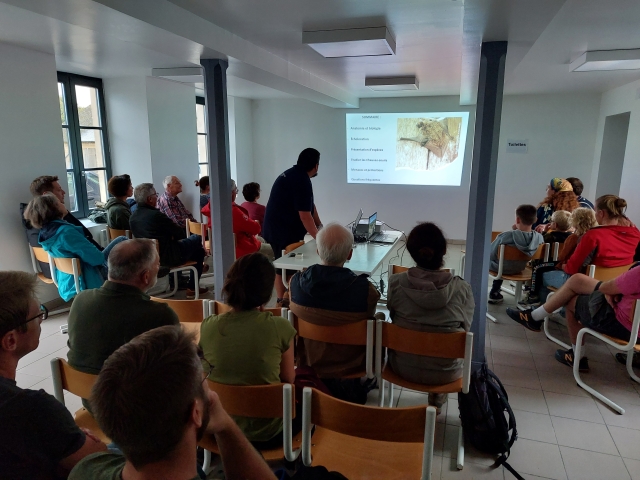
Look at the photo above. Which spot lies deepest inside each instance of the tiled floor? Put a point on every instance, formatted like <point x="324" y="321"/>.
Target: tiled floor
<point x="563" y="432"/>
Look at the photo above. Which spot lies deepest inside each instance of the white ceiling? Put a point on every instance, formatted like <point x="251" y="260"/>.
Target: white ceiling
<point x="437" y="40"/>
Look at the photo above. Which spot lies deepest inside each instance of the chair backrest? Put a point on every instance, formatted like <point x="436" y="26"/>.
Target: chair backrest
<point x="440" y="345"/>
<point x="70" y="266"/>
<point x="114" y="233"/>
<point x="39" y="255"/>
<point x="373" y="423"/>
<point x="197" y="229"/>
<point x="604" y="274"/>
<point x="494" y="235"/>
<point x="393" y="269"/>
<point x="556" y="251"/>
<point x="509" y="252"/>
<point x="65" y="377"/>
<point x="193" y="311"/>
<point x="255" y="401"/>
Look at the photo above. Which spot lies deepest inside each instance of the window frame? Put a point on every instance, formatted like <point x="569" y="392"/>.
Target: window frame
<point x="200" y="101"/>
<point x="69" y="81"/>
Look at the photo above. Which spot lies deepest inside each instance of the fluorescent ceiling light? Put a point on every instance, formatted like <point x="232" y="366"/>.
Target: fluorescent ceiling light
<point x="603" y="60"/>
<point x="353" y="42"/>
<point x="386" y="84"/>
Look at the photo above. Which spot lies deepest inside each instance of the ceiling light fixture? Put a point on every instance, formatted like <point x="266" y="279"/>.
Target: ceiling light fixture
<point x="352" y="42"/>
<point x="387" y="84"/>
<point x="606" y="60"/>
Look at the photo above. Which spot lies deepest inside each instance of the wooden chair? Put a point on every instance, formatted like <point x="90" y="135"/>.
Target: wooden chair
<point x="364" y="442"/>
<point x="70" y="266"/>
<point x="189" y="266"/>
<point x="629" y="347"/>
<point x="113" y="233"/>
<point x="508" y="252"/>
<point x="439" y="345"/>
<point x="39" y="255"/>
<point x="258" y="401"/>
<point x="188" y="311"/>
<point x="357" y="333"/>
<point x="287" y="250"/>
<point x="599" y="273"/>
<point x="494" y="234"/>
<point x="65" y="377"/>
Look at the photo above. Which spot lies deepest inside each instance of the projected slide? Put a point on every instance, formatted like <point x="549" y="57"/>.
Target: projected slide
<point x="406" y="148"/>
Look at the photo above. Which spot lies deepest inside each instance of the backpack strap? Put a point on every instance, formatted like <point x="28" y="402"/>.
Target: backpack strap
<point x="505" y="403"/>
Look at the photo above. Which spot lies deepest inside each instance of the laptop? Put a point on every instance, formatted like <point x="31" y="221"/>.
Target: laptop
<point x="374" y="237"/>
<point x="354" y="227"/>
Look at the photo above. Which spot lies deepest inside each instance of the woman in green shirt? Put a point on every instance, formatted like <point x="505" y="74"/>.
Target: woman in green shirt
<point x="248" y="346"/>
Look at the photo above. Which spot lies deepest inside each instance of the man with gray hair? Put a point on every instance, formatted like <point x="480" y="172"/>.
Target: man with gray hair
<point x="171" y="205"/>
<point x="103" y="319"/>
<point x="175" y="247"/>
<point x="329" y="294"/>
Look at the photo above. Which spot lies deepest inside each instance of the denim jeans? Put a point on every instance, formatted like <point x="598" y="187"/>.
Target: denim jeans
<point x="106" y="251"/>
<point x="191" y="250"/>
<point x="554" y="278"/>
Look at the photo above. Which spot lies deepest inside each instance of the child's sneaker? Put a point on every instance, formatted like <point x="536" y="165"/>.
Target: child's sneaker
<point x="495" y="298"/>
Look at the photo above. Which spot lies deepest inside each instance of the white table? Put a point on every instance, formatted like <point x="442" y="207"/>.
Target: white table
<point x="366" y="258"/>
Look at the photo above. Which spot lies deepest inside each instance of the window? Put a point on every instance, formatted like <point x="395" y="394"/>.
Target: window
<point x="86" y="146"/>
<point x="203" y="161"/>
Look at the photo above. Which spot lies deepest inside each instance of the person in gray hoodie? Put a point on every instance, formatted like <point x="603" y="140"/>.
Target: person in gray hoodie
<point x="426" y="298"/>
<point x="523" y="238"/>
<point x="118" y="210"/>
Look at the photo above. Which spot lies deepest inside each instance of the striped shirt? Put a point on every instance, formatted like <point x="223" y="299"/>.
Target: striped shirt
<point x="173" y="208"/>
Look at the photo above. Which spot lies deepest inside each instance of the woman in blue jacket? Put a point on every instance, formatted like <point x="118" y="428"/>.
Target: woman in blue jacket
<point x="63" y="240"/>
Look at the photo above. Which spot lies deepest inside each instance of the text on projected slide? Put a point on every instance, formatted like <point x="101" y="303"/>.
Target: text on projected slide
<point x="406" y="148"/>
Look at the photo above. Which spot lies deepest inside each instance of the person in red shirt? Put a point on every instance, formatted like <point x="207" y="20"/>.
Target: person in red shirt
<point x="251" y="193"/>
<point x="244" y="228"/>
<point x="612" y="244"/>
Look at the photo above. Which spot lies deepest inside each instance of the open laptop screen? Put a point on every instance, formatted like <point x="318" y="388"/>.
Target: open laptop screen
<point x="372" y="225"/>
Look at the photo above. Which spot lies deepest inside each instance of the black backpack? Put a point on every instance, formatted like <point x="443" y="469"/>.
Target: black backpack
<point x="482" y="414"/>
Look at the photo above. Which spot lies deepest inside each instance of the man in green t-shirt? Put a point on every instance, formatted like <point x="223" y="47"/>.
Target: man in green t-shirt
<point x="151" y="400"/>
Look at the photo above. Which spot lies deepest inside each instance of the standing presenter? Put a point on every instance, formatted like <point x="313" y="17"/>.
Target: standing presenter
<point x="291" y="212"/>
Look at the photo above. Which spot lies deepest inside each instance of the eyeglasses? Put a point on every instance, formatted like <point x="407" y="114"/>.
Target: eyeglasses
<point x="43" y="316"/>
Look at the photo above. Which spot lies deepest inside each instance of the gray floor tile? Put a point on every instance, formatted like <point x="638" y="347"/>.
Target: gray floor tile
<point x="561" y="383"/>
<point x="630" y="419"/>
<point x="569" y="406"/>
<point x="537" y="458"/>
<point x="513" y="359"/>
<point x="515" y="377"/>
<point x="527" y="399"/>
<point x="584" y="435"/>
<point x="585" y="465"/>
<point x="633" y="467"/>
<point x="627" y="440"/>
<point x="534" y="426"/>
<point x="509" y="343"/>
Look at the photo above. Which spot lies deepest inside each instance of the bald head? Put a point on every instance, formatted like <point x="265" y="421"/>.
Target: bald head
<point x="134" y="262"/>
<point x="334" y="244"/>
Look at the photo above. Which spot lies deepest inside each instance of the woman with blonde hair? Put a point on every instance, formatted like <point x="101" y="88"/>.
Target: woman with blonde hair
<point x="560" y="196"/>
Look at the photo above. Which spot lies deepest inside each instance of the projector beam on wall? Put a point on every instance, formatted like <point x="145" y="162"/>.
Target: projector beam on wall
<point x="605" y="60"/>
<point x="352" y="42"/>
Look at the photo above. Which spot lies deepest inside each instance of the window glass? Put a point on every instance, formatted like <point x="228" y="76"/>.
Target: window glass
<point x="92" y="151"/>
<point x="88" y="113"/>
<point x="67" y="153"/>
<point x="63" y="109"/>
<point x="96" y="181"/>
<point x="200" y="118"/>
<point x="71" y="192"/>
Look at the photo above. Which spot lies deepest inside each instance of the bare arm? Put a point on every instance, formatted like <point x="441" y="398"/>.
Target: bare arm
<point x="309" y="223"/>
<point x="287" y="370"/>
<point x="611" y="292"/>
<point x="91" y="445"/>
<point x="316" y="217"/>
<point x="239" y="459"/>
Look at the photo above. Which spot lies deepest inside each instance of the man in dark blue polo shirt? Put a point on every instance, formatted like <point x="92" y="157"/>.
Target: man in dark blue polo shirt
<point x="291" y="212"/>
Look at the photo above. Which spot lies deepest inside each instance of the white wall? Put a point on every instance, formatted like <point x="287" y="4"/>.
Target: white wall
<point x="283" y="128"/>
<point x="242" y="143"/>
<point x="620" y="100"/>
<point x="561" y="130"/>
<point x="31" y="140"/>
<point x="126" y="103"/>
<point x="171" y="108"/>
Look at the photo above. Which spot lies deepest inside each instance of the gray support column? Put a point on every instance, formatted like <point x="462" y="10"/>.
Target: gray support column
<point x="215" y="87"/>
<point x="483" y="183"/>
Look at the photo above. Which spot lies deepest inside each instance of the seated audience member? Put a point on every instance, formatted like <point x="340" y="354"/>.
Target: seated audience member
<point x="559" y="228"/>
<point x="248" y="346"/>
<point x="50" y="184"/>
<point x="244" y="228"/>
<point x="523" y="238"/>
<point x="171" y="205"/>
<point x="602" y="306"/>
<point x="38" y="437"/>
<point x="550" y="274"/>
<point x="205" y="190"/>
<point x="329" y="294"/>
<point x="117" y="207"/>
<point x="103" y="319"/>
<point x="251" y="193"/>
<point x="560" y="196"/>
<point x="173" y="408"/>
<point x="577" y="185"/>
<point x="428" y="299"/>
<point x="611" y="244"/>
<point x="175" y="247"/>
<point x="62" y="240"/>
